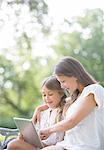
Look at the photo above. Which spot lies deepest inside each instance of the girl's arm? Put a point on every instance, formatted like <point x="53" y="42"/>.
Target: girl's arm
<point x="36" y="115"/>
<point x="85" y="108"/>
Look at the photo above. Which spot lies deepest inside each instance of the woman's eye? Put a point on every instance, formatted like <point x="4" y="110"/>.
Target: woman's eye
<point x="50" y="94"/>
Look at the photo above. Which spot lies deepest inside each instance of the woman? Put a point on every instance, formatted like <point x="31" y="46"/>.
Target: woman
<point x="84" y="122"/>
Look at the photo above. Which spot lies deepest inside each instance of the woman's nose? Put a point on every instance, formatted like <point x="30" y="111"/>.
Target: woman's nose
<point x="62" y="86"/>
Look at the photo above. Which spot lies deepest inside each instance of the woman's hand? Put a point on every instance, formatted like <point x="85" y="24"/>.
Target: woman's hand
<point x="36" y="116"/>
<point x="20" y="137"/>
<point x="44" y="134"/>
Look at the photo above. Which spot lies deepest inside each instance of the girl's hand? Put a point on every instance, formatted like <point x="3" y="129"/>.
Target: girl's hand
<point x="44" y="134"/>
<point x="36" y="116"/>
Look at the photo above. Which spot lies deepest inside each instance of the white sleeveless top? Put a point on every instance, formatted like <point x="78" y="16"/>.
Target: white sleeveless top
<point x="48" y="118"/>
<point x="89" y="133"/>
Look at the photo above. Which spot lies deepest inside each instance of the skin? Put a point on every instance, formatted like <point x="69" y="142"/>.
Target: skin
<point x="36" y="115"/>
<point x="69" y="83"/>
<point x="85" y="108"/>
<point x="51" y="97"/>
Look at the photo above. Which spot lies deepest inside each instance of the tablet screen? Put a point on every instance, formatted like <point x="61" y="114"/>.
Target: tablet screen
<point x="27" y="129"/>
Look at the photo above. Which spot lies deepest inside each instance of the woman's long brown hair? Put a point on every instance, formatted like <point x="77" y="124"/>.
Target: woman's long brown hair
<point x="69" y="66"/>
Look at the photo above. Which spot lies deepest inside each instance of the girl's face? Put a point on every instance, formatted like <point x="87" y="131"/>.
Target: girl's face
<point x="69" y="83"/>
<point x="51" y="97"/>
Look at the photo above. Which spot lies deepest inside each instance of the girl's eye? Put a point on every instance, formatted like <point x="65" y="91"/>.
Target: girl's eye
<point x="44" y="95"/>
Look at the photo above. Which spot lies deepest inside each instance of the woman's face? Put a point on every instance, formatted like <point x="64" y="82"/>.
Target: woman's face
<point x="69" y="83"/>
<point x="51" y="97"/>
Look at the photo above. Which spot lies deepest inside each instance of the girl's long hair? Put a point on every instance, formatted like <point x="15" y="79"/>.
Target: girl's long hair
<point x="53" y="84"/>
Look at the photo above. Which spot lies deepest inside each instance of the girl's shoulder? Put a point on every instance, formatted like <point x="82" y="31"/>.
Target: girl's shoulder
<point x="44" y="114"/>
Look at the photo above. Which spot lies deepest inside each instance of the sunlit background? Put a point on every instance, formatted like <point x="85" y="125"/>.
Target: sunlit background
<point x="34" y="35"/>
<point x="58" y="11"/>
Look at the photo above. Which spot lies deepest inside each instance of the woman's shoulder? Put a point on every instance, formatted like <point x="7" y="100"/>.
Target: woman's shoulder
<point x="93" y="87"/>
<point x="97" y="90"/>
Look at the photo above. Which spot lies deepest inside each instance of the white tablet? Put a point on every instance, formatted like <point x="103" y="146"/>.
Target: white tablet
<point x="27" y="129"/>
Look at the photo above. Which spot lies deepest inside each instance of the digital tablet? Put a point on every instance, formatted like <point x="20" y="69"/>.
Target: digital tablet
<point x="28" y="130"/>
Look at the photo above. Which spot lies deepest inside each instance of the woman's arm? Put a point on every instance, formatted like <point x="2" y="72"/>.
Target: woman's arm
<point x="85" y="108"/>
<point x="20" y="137"/>
<point x="36" y="115"/>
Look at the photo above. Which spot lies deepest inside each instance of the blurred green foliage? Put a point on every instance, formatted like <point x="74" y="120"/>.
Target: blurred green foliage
<point x="85" y="41"/>
<point x="21" y="73"/>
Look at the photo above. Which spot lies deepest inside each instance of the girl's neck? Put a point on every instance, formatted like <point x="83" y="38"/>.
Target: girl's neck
<point x="53" y="108"/>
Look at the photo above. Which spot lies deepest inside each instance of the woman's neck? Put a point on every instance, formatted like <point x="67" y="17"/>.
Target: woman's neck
<point x="81" y="87"/>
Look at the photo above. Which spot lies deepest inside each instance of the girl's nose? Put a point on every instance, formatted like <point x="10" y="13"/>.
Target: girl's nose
<point x="47" y="97"/>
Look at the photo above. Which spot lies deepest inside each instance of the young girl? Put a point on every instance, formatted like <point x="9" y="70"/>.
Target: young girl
<point x="54" y="97"/>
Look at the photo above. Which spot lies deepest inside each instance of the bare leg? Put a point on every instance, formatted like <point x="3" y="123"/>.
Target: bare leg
<point x="53" y="147"/>
<point x="20" y="145"/>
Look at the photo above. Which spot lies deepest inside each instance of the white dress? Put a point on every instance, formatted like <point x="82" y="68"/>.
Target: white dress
<point x="48" y="118"/>
<point x="89" y="133"/>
